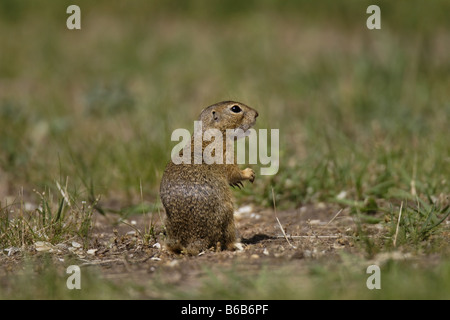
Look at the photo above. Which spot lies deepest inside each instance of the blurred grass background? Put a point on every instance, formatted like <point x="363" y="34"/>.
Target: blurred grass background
<point x="363" y="118"/>
<point x="361" y="112"/>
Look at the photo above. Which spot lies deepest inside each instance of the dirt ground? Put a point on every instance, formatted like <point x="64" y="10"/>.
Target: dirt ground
<point x="119" y="252"/>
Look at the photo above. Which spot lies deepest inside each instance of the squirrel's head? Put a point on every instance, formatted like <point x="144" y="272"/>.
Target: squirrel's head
<point x="228" y="115"/>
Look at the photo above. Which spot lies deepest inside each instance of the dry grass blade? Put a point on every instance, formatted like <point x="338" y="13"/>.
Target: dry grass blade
<point x="279" y="223"/>
<point x="398" y="224"/>
<point x="332" y="219"/>
<point x="319" y="237"/>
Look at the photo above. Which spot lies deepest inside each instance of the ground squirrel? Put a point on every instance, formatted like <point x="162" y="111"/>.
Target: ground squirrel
<point x="197" y="197"/>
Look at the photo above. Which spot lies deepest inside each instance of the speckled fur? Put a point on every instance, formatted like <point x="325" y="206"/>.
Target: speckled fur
<point x="197" y="197"/>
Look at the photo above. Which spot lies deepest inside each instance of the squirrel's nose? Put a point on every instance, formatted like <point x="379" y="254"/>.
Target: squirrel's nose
<point x="256" y="115"/>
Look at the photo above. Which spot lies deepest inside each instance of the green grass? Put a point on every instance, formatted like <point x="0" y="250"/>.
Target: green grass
<point x="399" y="280"/>
<point x="56" y="219"/>
<point x="44" y="278"/>
<point x="363" y="115"/>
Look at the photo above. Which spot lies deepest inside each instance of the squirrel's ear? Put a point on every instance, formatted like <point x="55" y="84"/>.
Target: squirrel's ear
<point x="215" y="115"/>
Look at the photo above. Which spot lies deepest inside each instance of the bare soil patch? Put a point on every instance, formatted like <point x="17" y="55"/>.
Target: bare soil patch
<point x="119" y="252"/>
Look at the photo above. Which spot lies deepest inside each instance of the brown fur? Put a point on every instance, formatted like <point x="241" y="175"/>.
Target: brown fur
<point x="197" y="197"/>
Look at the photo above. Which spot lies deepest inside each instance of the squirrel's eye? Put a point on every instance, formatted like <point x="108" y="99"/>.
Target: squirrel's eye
<point x="236" y="109"/>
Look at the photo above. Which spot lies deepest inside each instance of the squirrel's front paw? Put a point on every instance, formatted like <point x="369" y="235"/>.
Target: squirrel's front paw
<point x="249" y="174"/>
